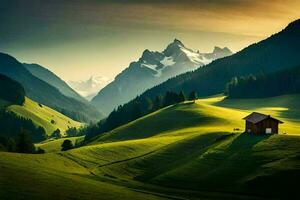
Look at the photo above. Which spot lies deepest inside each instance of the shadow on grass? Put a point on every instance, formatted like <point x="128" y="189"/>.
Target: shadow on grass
<point x="215" y="168"/>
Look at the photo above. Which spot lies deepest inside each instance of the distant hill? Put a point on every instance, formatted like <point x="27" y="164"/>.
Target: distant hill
<point x="18" y="112"/>
<point x="51" y="78"/>
<point x="45" y="93"/>
<point x="152" y="69"/>
<point x="44" y="116"/>
<point x="38" y="120"/>
<point x="270" y="85"/>
<point x="278" y="52"/>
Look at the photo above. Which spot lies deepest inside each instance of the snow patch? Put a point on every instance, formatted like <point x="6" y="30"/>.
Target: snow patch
<point x="196" y="57"/>
<point x="153" y="67"/>
<point x="167" y="61"/>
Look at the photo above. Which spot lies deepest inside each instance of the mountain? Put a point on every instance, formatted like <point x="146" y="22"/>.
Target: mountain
<point x="151" y="69"/>
<point x="11" y="91"/>
<point x="44" y="93"/>
<point x="52" y="79"/>
<point x="278" y="52"/>
<point x="89" y="88"/>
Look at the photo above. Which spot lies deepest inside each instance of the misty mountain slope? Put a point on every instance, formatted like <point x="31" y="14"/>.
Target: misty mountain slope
<point x="42" y="92"/>
<point x="278" y="52"/>
<point x="51" y="78"/>
<point x="151" y="69"/>
<point x="90" y="87"/>
<point x="11" y="92"/>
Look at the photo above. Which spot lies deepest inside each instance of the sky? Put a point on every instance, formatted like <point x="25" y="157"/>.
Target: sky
<point x="80" y="38"/>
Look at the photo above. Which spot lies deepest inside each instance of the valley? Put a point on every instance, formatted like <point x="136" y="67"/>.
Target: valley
<point x="164" y="155"/>
<point x="216" y="117"/>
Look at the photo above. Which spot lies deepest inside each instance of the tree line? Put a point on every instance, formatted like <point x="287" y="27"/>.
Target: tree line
<point x="277" y="52"/>
<point x="138" y="107"/>
<point x="275" y="84"/>
<point x="11" y="125"/>
<point x="22" y="143"/>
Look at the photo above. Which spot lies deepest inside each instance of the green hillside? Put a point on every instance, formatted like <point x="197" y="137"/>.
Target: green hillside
<point x="53" y="176"/>
<point x="184" y="151"/>
<point x="42" y="115"/>
<point x="54" y="145"/>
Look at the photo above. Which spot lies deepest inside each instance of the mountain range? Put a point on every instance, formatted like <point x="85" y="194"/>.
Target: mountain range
<point x="52" y="79"/>
<point x="151" y="69"/>
<point x="41" y="91"/>
<point x="90" y="87"/>
<point x="276" y="59"/>
<point x="278" y="52"/>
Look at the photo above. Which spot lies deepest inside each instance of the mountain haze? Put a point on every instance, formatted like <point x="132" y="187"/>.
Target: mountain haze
<point x="51" y="78"/>
<point x="90" y="87"/>
<point x="44" y="93"/>
<point x="151" y="69"/>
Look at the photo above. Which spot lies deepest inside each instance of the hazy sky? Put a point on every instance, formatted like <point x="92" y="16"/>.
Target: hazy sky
<point x="80" y="38"/>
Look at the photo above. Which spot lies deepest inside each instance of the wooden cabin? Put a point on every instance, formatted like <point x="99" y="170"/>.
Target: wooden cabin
<point x="259" y="123"/>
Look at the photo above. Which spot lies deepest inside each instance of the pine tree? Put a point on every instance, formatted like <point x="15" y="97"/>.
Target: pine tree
<point x="56" y="134"/>
<point x="24" y="143"/>
<point x="181" y="97"/>
<point x="66" y="145"/>
<point x="193" y="96"/>
<point x="158" y="102"/>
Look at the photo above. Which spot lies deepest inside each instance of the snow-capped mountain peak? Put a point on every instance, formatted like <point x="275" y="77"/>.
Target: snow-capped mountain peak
<point x="176" y="55"/>
<point x="151" y="69"/>
<point x="90" y="87"/>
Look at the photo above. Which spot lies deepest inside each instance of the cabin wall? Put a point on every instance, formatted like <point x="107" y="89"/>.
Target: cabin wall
<point x="267" y="123"/>
<point x="250" y="126"/>
<point x="260" y="128"/>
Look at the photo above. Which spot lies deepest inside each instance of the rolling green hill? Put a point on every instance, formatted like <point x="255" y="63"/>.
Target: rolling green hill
<point x="188" y="151"/>
<point x="54" y="145"/>
<point x="42" y="115"/>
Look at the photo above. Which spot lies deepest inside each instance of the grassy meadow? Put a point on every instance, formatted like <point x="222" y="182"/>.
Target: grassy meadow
<point x="184" y="151"/>
<point x="42" y="115"/>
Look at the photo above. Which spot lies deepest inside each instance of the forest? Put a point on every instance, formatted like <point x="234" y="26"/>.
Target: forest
<point x="11" y="91"/>
<point x="275" y="84"/>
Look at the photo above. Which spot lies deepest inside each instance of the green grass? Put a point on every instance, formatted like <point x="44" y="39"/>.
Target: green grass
<point x="54" y="176"/>
<point x="42" y="116"/>
<point x="184" y="151"/>
<point x="54" y="145"/>
<point x="286" y="108"/>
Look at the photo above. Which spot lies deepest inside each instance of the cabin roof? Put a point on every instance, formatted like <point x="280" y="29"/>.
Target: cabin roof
<point x="256" y="117"/>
